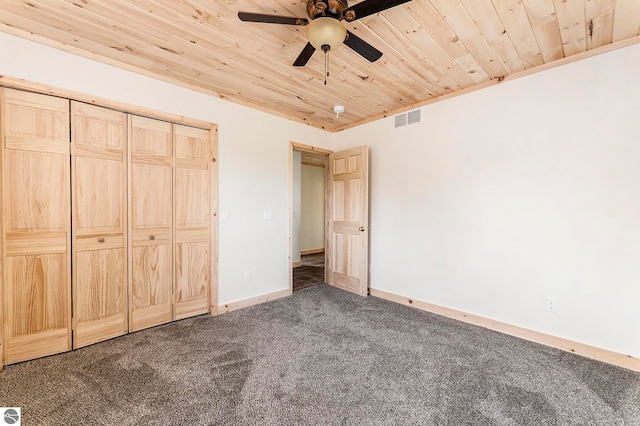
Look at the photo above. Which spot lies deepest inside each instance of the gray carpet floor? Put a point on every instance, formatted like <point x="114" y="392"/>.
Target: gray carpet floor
<point x="321" y="357"/>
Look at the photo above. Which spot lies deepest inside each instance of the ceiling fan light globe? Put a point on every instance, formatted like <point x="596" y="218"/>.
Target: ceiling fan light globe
<point x="325" y="31"/>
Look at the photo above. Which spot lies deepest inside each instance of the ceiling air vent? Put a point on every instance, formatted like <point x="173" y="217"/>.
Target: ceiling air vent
<point x="407" y="118"/>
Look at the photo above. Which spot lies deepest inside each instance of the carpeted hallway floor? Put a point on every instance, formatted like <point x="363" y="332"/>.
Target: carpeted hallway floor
<point x="310" y="273"/>
<point x="320" y="357"/>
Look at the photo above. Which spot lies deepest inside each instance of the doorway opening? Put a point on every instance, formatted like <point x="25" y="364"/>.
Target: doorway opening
<point x="307" y="215"/>
<point x="310" y="272"/>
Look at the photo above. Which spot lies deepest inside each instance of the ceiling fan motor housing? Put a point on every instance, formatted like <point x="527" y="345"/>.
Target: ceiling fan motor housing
<point x="328" y="8"/>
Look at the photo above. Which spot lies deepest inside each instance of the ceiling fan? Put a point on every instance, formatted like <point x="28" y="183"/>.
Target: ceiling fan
<point x="325" y="31"/>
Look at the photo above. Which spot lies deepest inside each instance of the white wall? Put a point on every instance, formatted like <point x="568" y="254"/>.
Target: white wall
<point x="253" y="157"/>
<point x="510" y="194"/>
<point x="312" y="231"/>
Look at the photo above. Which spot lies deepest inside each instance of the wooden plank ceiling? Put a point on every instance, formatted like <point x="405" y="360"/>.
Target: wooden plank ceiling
<point x="431" y="48"/>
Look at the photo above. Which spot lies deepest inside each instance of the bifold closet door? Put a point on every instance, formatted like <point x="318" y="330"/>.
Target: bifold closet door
<point x="150" y="222"/>
<point x="36" y="225"/>
<point x="99" y="163"/>
<point x="191" y="195"/>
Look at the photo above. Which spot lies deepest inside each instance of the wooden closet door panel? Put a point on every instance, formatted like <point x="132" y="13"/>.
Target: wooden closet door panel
<point x="99" y="130"/>
<point x="34" y="122"/>
<point x="151" y="196"/>
<point x="100" y="295"/>
<point x="192" y="198"/>
<point x="151" y="223"/>
<point x="192" y="278"/>
<point x="36" y="225"/>
<point x="151" y="140"/>
<point x="99" y="223"/>
<point x="192" y="212"/>
<point x="36" y="305"/>
<point x="151" y="298"/>
<point x="36" y="190"/>
<point x="100" y="195"/>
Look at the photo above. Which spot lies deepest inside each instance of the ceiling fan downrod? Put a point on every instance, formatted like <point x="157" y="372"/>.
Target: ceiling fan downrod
<point x="331" y="8"/>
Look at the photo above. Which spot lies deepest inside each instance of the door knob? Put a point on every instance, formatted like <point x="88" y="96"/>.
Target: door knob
<point x="362" y="228"/>
<point x="152" y="237"/>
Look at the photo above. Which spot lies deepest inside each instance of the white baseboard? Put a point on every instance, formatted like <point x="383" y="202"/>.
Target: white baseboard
<point x="234" y="306"/>
<point x="599" y="354"/>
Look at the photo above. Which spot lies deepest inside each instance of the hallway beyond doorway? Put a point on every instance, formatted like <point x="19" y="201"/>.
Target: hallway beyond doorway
<point x="310" y="273"/>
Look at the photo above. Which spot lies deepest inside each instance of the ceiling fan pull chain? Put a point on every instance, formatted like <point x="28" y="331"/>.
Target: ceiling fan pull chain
<point x="326" y="66"/>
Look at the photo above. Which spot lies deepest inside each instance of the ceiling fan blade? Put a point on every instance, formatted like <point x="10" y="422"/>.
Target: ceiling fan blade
<point x="304" y="56"/>
<point x="271" y="19"/>
<point x="370" y="7"/>
<point x="363" y="48"/>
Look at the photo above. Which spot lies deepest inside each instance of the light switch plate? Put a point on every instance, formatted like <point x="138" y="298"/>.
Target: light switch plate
<point x="224" y="214"/>
<point x="268" y="215"/>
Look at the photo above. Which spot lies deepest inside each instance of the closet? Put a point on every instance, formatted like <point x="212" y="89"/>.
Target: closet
<point x="106" y="223"/>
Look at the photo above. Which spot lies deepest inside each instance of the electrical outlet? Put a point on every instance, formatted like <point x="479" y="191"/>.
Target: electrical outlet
<point x="552" y="304"/>
<point x="247" y="276"/>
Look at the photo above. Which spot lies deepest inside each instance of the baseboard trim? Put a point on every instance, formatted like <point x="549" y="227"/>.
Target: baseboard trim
<point x="588" y="351"/>
<point x="245" y="303"/>
<point x="312" y="251"/>
<point x="296" y="264"/>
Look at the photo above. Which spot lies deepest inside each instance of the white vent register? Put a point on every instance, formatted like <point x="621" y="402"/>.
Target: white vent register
<point x="407" y="118"/>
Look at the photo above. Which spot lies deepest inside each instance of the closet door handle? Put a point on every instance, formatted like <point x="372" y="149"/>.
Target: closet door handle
<point x="101" y="240"/>
<point x="152" y="237"/>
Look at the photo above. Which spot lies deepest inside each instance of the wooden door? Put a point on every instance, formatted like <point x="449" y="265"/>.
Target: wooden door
<point x="99" y="164"/>
<point x="36" y="225"/>
<point x="192" y="248"/>
<point x="150" y="224"/>
<point x="348" y="220"/>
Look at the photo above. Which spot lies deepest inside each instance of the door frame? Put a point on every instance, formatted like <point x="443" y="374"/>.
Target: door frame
<point x="296" y="146"/>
